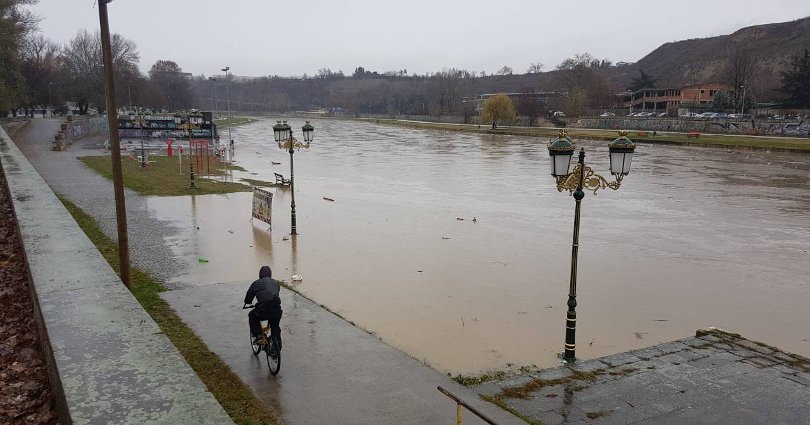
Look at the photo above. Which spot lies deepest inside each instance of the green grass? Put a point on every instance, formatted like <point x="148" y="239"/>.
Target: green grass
<point x="222" y="124"/>
<point x="785" y="143"/>
<point x="163" y="177"/>
<point x="258" y="183"/>
<point x="235" y="397"/>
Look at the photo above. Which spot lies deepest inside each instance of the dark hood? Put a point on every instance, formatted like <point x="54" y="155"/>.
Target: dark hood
<point x="265" y="272"/>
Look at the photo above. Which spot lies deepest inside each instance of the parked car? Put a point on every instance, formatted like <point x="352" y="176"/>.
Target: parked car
<point x="608" y="114"/>
<point x="662" y="114"/>
<point x="720" y="115"/>
<point x="559" y="114"/>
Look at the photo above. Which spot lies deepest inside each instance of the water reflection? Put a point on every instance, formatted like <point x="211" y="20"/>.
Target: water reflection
<point x="695" y="237"/>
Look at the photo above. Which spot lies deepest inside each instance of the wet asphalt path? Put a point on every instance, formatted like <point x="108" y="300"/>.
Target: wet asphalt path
<point x="93" y="193"/>
<point x="331" y="371"/>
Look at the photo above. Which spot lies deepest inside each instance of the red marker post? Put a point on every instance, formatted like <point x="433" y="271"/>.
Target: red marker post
<point x="169" y="142"/>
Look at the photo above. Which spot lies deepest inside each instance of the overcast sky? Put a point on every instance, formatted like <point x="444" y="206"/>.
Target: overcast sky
<point x="282" y="37"/>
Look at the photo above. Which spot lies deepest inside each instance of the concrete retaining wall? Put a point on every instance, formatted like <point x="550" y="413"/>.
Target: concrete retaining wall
<point x="723" y="126"/>
<point x="109" y="362"/>
<point x="74" y="129"/>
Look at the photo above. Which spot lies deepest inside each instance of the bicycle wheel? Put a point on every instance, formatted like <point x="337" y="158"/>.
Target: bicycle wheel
<point x="253" y="346"/>
<point x="273" y="356"/>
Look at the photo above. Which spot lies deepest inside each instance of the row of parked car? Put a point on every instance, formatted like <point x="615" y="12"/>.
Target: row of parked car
<point x="714" y="115"/>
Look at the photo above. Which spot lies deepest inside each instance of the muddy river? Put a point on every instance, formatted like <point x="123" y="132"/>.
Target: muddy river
<point x="456" y="248"/>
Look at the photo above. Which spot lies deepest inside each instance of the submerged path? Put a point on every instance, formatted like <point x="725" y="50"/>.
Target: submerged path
<point x="332" y="372"/>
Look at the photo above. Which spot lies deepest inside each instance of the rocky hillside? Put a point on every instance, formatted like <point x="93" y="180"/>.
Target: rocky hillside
<point x="767" y="49"/>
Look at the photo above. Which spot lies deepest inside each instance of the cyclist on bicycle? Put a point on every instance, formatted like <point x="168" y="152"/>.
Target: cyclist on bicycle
<point x="268" y="305"/>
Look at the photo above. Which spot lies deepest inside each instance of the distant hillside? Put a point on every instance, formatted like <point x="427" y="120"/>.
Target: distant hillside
<point x="768" y="49"/>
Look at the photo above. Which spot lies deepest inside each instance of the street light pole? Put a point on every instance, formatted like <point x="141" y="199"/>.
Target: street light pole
<point x="129" y="89"/>
<point x="742" y="108"/>
<point x="50" y="97"/>
<point x="285" y="140"/>
<point x="115" y="144"/>
<point x="228" y="90"/>
<point x="582" y="177"/>
<point x="214" y="96"/>
<point x="571" y="316"/>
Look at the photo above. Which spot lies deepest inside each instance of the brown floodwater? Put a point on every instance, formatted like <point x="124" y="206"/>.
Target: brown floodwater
<point x="695" y="237"/>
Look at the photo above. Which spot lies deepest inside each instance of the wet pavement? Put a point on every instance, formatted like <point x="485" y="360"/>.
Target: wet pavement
<point x="713" y="378"/>
<point x="93" y="193"/>
<point x="331" y="371"/>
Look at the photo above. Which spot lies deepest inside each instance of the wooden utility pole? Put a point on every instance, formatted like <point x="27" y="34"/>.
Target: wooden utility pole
<point x="115" y="144"/>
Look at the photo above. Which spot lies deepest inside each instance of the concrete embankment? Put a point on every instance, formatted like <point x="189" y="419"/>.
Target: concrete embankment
<point x="108" y="361"/>
<point x="769" y="143"/>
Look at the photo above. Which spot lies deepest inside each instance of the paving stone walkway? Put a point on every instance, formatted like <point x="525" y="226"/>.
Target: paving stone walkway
<point x="714" y="377"/>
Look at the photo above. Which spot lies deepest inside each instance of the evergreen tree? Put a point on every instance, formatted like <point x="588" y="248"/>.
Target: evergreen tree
<point x="643" y="81"/>
<point x="796" y="82"/>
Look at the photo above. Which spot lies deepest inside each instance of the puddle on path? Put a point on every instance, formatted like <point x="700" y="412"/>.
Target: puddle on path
<point x="696" y="237"/>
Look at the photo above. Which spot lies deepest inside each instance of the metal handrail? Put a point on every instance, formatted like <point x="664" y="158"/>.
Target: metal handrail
<point x="460" y="403"/>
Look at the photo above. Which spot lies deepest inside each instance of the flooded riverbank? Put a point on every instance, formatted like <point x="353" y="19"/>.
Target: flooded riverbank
<point x="695" y="237"/>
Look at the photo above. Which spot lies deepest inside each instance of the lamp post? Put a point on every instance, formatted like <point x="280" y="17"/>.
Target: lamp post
<point x="192" y="185"/>
<point x="582" y="177"/>
<point x="129" y="89"/>
<point x="228" y="90"/>
<point x="214" y="96"/>
<point x="50" y="97"/>
<point x="283" y="134"/>
<point x="742" y="108"/>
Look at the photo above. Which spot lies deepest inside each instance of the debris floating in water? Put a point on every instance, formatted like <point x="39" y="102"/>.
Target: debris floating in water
<point x="297" y="278"/>
<point x="329" y="199"/>
<point x="202" y="260"/>
<point x="445" y="237"/>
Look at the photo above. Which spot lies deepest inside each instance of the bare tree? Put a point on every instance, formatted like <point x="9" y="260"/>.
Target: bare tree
<point x="535" y="68"/>
<point x="506" y="70"/>
<point x="739" y="69"/>
<point x="40" y="67"/>
<point x="83" y="67"/>
<point x="174" y="87"/>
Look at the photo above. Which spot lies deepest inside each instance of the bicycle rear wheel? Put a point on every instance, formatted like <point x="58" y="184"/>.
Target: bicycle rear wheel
<point x="256" y="348"/>
<point x="273" y="356"/>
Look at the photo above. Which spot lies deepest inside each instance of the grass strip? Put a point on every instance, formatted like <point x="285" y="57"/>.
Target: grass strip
<point x="705" y="139"/>
<point x="235" y="397"/>
<point x="163" y="176"/>
<point x="222" y="124"/>
<point x="259" y="183"/>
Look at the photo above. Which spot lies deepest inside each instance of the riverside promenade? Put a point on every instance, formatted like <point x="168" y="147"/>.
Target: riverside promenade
<point x="332" y="371"/>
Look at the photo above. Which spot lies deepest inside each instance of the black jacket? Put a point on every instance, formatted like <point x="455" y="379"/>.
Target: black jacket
<point x="265" y="290"/>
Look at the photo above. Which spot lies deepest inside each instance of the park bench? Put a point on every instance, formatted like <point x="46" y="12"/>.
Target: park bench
<point x="692" y="135"/>
<point x="281" y="180"/>
<point x="642" y="134"/>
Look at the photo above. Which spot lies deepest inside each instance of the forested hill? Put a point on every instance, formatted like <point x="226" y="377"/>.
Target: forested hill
<point x="765" y="50"/>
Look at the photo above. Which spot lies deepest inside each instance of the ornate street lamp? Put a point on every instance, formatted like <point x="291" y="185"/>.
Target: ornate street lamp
<point x="283" y="135"/>
<point x="582" y="177"/>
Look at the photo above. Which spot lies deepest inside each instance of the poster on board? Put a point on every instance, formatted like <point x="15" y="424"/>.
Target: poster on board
<point x="262" y="205"/>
